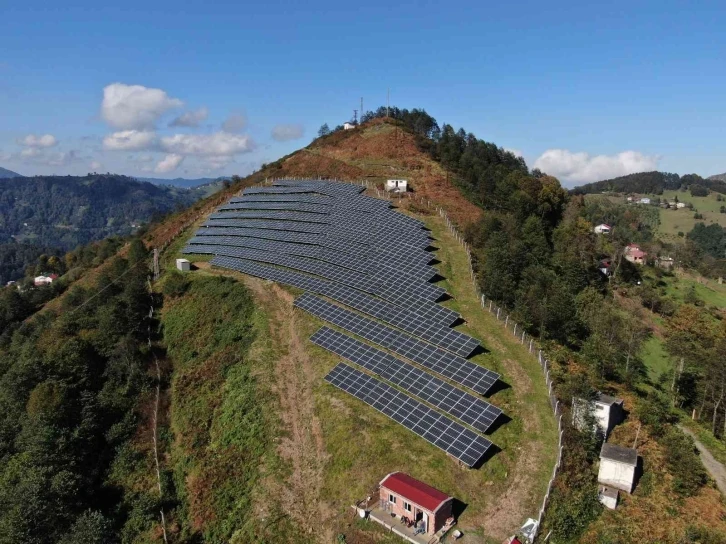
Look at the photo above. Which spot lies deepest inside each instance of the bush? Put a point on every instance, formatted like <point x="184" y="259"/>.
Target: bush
<point x="655" y="412"/>
<point x="175" y="284"/>
<point x="683" y="463"/>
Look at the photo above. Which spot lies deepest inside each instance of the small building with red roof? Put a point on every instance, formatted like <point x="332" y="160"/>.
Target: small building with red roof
<point x="407" y="497"/>
<point x="634" y="254"/>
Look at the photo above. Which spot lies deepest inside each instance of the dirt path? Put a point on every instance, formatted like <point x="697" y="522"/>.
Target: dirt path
<point x="302" y="445"/>
<point x="714" y="468"/>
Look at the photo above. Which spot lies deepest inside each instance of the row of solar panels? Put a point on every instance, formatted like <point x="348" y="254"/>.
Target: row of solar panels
<point x="420" y="318"/>
<point x="437" y="429"/>
<point x="462" y="405"/>
<point x="378" y="235"/>
<point x="409" y="266"/>
<point x="375" y="284"/>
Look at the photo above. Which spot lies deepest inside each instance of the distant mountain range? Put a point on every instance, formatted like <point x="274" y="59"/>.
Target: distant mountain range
<point x="5" y="173"/>
<point x="182" y="182"/>
<point x="652" y="183"/>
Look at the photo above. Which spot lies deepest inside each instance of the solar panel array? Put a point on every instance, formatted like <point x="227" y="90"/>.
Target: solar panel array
<point x="455" y="368"/>
<point x="373" y="263"/>
<point x="462" y="405"/>
<point x="435" y="428"/>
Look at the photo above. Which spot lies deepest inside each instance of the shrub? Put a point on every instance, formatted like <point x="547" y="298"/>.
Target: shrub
<point x="683" y="463"/>
<point x="175" y="284"/>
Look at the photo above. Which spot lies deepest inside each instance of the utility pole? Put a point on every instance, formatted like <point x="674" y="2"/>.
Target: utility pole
<point x="388" y="101"/>
<point x="361" y="108"/>
<point x="355" y="117"/>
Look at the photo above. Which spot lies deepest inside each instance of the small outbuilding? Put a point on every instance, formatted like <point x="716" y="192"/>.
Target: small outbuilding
<point x="618" y="467"/>
<point x="397" y="185"/>
<point x="39" y="281"/>
<point x="608" y="496"/>
<point x="348" y="126"/>
<point x="183" y="264"/>
<point x="608" y="412"/>
<point x="603" y="229"/>
<point x="645" y="200"/>
<point x="406" y="497"/>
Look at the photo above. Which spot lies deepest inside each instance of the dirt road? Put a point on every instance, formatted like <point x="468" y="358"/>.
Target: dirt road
<point x="714" y="468"/>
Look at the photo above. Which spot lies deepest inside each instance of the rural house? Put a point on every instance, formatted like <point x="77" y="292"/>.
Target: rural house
<point x="618" y="467"/>
<point x="607" y="411"/>
<point x="645" y="200"/>
<point x="634" y="254"/>
<point x="348" y="126"/>
<point x="425" y="506"/>
<point x="603" y="229"/>
<point x="44" y="280"/>
<point x="397" y="185"/>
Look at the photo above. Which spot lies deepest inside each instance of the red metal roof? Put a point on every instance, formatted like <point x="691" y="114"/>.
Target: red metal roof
<point x="415" y="491"/>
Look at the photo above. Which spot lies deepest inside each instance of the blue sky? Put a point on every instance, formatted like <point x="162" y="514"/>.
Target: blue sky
<point x="583" y="91"/>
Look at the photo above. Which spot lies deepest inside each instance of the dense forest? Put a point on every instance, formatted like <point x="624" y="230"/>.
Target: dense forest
<point x="62" y="212"/>
<point x="654" y="183"/>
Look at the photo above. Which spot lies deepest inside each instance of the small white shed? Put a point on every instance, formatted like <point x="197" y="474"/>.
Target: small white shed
<point x="602" y="229"/>
<point x="617" y="467"/>
<point x="608" y="496"/>
<point x="397" y="185"/>
<point x="183" y="265"/>
<point x="348" y="126"/>
<point x="607" y="411"/>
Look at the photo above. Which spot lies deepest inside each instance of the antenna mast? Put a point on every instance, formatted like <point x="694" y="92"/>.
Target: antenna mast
<point x="388" y="101"/>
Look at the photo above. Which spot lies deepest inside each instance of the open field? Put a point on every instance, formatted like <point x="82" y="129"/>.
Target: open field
<point x="655" y="358"/>
<point x="674" y="221"/>
<point x="335" y="449"/>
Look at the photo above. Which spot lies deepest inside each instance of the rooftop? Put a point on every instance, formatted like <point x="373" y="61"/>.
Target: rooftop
<point x="607" y="399"/>
<point x="415" y="491"/>
<point x="628" y="456"/>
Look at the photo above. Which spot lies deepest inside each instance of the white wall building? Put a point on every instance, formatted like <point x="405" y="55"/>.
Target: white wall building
<point x="607" y="411"/>
<point x="348" y="126"/>
<point x="645" y="200"/>
<point x="183" y="265"/>
<point x="603" y="229"/>
<point x="397" y="185"/>
<point x="608" y="496"/>
<point x="680" y="205"/>
<point x="617" y="467"/>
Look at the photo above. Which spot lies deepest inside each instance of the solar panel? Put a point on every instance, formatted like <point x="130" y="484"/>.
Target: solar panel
<point x="304" y="250"/>
<point x="460" y="404"/>
<point x="298" y="197"/>
<point x="294" y="206"/>
<point x="435" y="428"/>
<point x="295" y="226"/>
<point x="406" y="312"/>
<point x="281" y="235"/>
<point x="452" y="367"/>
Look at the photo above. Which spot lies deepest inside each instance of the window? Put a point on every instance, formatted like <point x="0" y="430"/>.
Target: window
<point x="407" y="506"/>
<point x="391" y="498"/>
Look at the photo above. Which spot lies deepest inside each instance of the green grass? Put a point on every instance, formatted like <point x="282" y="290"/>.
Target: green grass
<point x="674" y="221"/>
<point x="655" y="358"/>
<point x="711" y="293"/>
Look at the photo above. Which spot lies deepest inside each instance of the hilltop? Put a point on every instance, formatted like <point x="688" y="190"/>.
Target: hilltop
<point x="5" y="173"/>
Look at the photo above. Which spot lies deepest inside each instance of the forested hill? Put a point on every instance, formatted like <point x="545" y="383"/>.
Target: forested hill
<point x="5" y="173"/>
<point x="651" y="183"/>
<point x="65" y="211"/>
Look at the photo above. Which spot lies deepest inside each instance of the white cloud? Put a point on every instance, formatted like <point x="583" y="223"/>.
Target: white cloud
<point x="283" y="133"/>
<point x="190" y="118"/>
<point x="135" y="107"/>
<point x="129" y="140"/>
<point x="95" y="166"/>
<point x="31" y="140"/>
<point x="169" y="163"/>
<point x="584" y="168"/>
<point x="235" y="122"/>
<point x="30" y="152"/>
<point x="515" y="152"/>
<point x="210" y="145"/>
